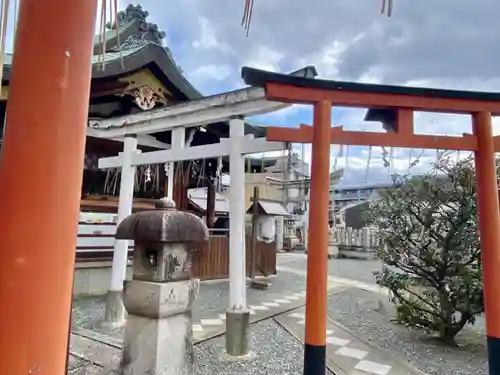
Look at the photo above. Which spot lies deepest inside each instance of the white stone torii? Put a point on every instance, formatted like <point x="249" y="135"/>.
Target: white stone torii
<point x="216" y="108"/>
<point x="229" y="106"/>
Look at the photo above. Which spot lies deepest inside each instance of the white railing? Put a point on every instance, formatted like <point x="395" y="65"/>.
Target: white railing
<point x="96" y="233"/>
<point x="355" y="243"/>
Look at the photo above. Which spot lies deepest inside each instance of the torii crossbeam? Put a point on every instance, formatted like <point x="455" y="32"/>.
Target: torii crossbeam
<point x="394" y="106"/>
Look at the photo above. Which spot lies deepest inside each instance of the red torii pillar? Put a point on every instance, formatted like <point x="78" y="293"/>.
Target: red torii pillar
<point x="317" y="264"/>
<point x="41" y="168"/>
<point x="489" y="224"/>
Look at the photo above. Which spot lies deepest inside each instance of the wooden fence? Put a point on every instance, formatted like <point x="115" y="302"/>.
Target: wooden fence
<point x="211" y="259"/>
<point x="96" y="236"/>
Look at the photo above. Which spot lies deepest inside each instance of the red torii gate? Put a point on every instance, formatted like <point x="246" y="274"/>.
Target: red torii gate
<point x="40" y="181"/>
<point x="394" y="106"/>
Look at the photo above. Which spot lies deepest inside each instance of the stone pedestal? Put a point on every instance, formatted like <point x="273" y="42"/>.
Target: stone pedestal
<point x="158" y="337"/>
<point x="237" y="338"/>
<point x="159" y="298"/>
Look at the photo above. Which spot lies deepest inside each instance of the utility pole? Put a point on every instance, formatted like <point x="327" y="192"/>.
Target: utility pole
<point x="286" y="174"/>
<point x="254" y="283"/>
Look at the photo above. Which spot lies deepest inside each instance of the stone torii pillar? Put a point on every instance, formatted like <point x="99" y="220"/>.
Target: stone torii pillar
<point x="115" y="311"/>
<point x="237" y="314"/>
<point x="115" y="314"/>
<point x="41" y="170"/>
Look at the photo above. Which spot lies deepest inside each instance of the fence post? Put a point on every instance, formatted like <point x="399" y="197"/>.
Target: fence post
<point x="366" y="235"/>
<point x="349" y="236"/>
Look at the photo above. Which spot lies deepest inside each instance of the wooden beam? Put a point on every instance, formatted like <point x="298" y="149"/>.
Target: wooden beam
<point x="211" y="195"/>
<point x="404" y="122"/>
<point x="307" y="95"/>
<point x="304" y="134"/>
<point x="357" y="138"/>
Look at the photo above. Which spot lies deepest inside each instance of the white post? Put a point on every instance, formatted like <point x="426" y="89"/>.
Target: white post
<point x="237" y="320"/>
<point x="279" y="233"/>
<point x="306" y="223"/>
<point x="349" y="236"/>
<point x="170" y="179"/>
<point x="115" y="311"/>
<point x="176" y="143"/>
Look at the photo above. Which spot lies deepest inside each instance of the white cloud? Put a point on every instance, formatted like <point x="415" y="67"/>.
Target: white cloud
<point x="207" y="37"/>
<point x="211" y="72"/>
<point x="286" y="116"/>
<point x="263" y="57"/>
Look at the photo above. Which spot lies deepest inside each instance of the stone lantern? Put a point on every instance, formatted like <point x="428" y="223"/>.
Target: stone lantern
<point x="158" y="299"/>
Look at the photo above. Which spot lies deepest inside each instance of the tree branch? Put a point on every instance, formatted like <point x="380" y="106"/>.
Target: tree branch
<point x="418" y="307"/>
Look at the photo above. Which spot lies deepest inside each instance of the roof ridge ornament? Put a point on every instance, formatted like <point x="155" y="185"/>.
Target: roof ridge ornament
<point x="131" y="13"/>
<point x="148" y="32"/>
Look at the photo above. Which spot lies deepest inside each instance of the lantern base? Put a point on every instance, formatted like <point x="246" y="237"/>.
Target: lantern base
<point x="159" y="334"/>
<point x="158" y="346"/>
<point x="237" y="337"/>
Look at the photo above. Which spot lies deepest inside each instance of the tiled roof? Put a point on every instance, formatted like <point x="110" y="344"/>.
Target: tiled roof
<point x="107" y="56"/>
<point x="198" y="197"/>
<point x="116" y="55"/>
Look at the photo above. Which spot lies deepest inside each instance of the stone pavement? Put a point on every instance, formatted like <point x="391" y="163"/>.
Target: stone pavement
<point x="346" y="353"/>
<point x="277" y="331"/>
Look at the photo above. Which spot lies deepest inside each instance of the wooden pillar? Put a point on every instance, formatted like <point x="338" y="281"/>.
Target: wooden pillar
<point x="489" y="223"/>
<point x="317" y="264"/>
<point x="44" y="146"/>
<point x="181" y="184"/>
<point x="210" y="203"/>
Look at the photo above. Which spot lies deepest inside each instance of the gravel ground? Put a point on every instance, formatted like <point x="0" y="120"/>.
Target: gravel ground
<point x="277" y="353"/>
<point x="215" y="296"/>
<point x="88" y="312"/>
<point x="369" y="316"/>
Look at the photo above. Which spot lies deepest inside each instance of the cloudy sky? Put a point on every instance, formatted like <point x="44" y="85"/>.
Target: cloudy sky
<point x="439" y="43"/>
